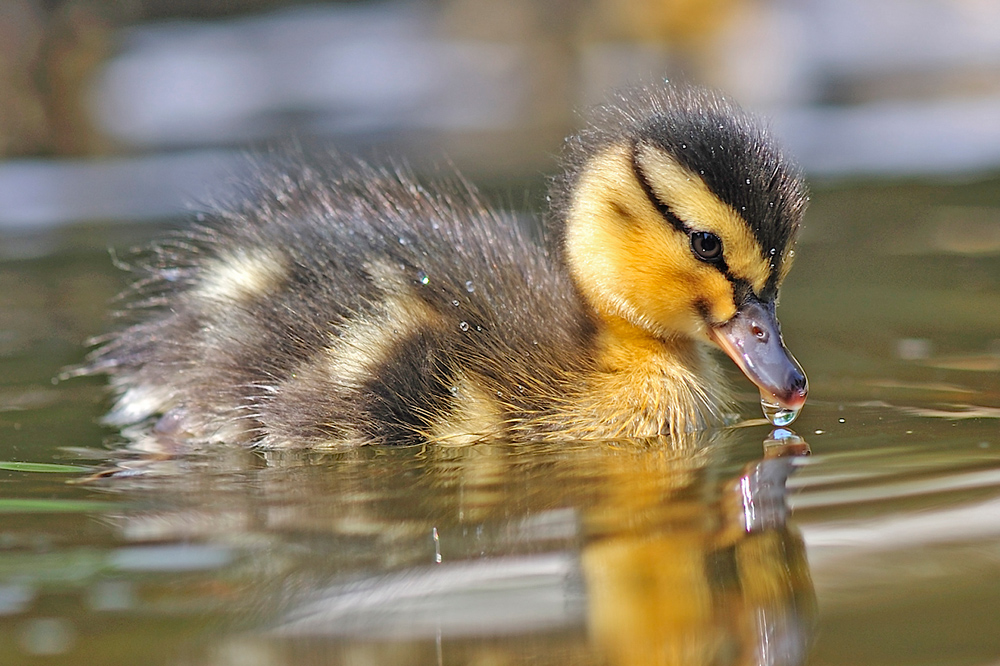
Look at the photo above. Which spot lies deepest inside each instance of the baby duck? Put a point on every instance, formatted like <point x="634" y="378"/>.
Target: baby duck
<point x="354" y="305"/>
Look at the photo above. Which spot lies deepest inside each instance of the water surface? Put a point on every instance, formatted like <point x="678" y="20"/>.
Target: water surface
<point x="881" y="547"/>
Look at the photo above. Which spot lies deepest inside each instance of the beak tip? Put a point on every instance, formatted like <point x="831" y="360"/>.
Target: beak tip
<point x="763" y="358"/>
<point x="795" y="397"/>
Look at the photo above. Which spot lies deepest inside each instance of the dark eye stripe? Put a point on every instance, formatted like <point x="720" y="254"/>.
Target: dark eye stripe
<point x="664" y="210"/>
<point x="740" y="285"/>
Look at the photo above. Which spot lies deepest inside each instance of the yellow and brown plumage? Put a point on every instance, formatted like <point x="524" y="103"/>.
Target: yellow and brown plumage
<point x="354" y="305"/>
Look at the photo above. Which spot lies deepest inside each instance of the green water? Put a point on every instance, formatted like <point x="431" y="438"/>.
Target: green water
<point x="882" y="547"/>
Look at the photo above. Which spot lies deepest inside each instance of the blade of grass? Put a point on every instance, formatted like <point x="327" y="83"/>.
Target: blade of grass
<point x="14" y="505"/>
<point x="51" y="468"/>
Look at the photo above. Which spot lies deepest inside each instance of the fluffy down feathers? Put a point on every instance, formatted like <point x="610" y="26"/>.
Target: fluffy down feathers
<point x="345" y="305"/>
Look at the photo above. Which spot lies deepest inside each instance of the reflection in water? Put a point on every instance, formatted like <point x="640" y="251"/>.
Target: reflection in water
<point x="622" y="553"/>
<point x="729" y="585"/>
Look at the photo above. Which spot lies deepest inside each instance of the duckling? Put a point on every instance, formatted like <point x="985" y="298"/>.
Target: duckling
<point x="350" y="304"/>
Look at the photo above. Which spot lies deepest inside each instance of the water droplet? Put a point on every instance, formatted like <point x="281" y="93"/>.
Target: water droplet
<point x="748" y="181"/>
<point x="774" y="250"/>
<point x="842" y="420"/>
<point x="435" y="226"/>
<point x="684" y="146"/>
<point x="455" y="303"/>
<point x="775" y="413"/>
<point x="701" y="171"/>
<point x="423" y="277"/>
<point x="791" y="253"/>
<point x="453" y="390"/>
<point x="479" y="328"/>
<point x="437" y="545"/>
<point x="464" y="325"/>
<point x="469" y="287"/>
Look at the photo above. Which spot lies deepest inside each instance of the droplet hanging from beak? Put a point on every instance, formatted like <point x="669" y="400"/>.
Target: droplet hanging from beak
<point x="752" y="338"/>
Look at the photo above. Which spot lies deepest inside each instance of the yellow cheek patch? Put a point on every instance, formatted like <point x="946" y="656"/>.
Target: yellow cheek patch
<point x="601" y="250"/>
<point x="630" y="263"/>
<point x="690" y="199"/>
<point x="664" y="282"/>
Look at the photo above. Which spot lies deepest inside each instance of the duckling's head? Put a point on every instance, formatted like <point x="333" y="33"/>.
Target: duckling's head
<point x="677" y="218"/>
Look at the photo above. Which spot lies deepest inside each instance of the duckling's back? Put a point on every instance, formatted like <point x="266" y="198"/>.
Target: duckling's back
<point x="347" y="306"/>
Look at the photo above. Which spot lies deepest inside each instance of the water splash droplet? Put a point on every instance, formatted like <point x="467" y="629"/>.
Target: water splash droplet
<point x="777" y="414"/>
<point x="464" y="325"/>
<point x="469" y="287"/>
<point x="423" y="277"/>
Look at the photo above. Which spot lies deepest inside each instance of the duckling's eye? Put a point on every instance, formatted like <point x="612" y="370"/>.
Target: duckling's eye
<point x="706" y="246"/>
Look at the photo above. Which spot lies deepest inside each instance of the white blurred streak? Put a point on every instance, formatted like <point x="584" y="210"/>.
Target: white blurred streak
<point x="886" y="491"/>
<point x="827" y="543"/>
<point x="498" y="596"/>
<point x="855" y="562"/>
<point x="900" y="138"/>
<point x="859" y="36"/>
<point x="39" y="194"/>
<point x="346" y="69"/>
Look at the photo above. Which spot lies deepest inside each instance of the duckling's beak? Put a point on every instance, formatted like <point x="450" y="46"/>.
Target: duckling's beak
<point x="752" y="338"/>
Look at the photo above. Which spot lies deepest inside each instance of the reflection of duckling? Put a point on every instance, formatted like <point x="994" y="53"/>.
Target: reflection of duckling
<point x="721" y="584"/>
<point x="359" y="306"/>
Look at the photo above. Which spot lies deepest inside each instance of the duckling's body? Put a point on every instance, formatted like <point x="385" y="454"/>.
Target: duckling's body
<point x="358" y="306"/>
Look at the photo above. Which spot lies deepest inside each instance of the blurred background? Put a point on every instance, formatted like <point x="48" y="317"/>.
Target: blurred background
<point x="129" y="109"/>
<point x="118" y="117"/>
